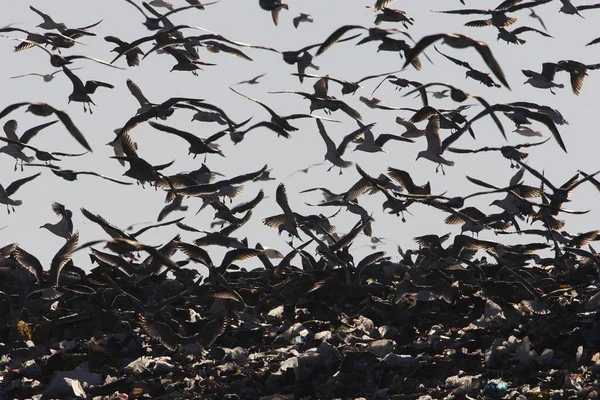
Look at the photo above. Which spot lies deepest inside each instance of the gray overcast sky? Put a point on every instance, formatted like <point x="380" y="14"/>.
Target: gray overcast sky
<point x="245" y="21"/>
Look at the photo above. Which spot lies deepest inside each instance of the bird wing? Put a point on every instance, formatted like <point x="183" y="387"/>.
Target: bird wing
<point x="282" y="201"/>
<point x="538" y="175"/>
<point x="270" y="125"/>
<point x="29" y="262"/>
<point x="31" y="132"/>
<point x="465" y="11"/>
<point x="240" y="208"/>
<point x="10" y="129"/>
<point x="161" y="17"/>
<point x="69" y="58"/>
<point x="351" y="137"/>
<point x="548" y="70"/>
<point x="13" y="187"/>
<point x="108" y="178"/>
<point x="407" y="124"/>
<point x="109" y="228"/>
<point x="381" y="4"/>
<point x="195" y="253"/>
<point x="588" y="7"/>
<point x="237" y="255"/>
<point x="137" y="93"/>
<point x="491" y="62"/>
<point x="366" y="78"/>
<point x="161" y="332"/>
<point x="246" y="177"/>
<point x="46" y="17"/>
<point x="328" y="142"/>
<point x="115" y="40"/>
<point x="298" y="116"/>
<point x="8" y="109"/>
<point x="273" y="114"/>
<point x="190" y="138"/>
<point x="77" y="83"/>
<point x="91" y="86"/>
<point x="420" y="46"/>
<point x="73" y="130"/>
<point x="522" y="29"/>
<point x="144" y="229"/>
<point x="335" y="36"/>
<point x="386" y="137"/>
<point x="213" y="329"/>
<point x="595" y="41"/>
<point x="227" y="49"/>
<point x="114" y="261"/>
<point x="348" y="110"/>
<point x="529" y="4"/>
<point x="455" y="60"/>
<point x="546" y="120"/>
<point x="432" y="134"/>
<point x="403" y="178"/>
<point x="59" y="209"/>
<point x="62" y="257"/>
<point x="593" y="180"/>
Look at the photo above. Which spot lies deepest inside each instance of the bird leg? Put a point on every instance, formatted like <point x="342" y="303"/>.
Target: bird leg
<point x="442" y="168"/>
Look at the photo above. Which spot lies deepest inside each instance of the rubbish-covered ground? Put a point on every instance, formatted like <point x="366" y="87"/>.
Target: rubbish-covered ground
<point x="392" y="332"/>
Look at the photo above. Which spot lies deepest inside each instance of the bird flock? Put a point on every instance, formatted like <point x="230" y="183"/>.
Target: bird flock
<point x="438" y="126"/>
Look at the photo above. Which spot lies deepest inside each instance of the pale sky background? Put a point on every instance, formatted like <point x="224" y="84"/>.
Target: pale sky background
<point x="245" y="21"/>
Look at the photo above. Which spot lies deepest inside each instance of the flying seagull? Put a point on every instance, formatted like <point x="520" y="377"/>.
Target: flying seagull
<point x="45" y="110"/>
<point x="11" y="189"/>
<point x="458" y="41"/>
<point x="434" y="145"/>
